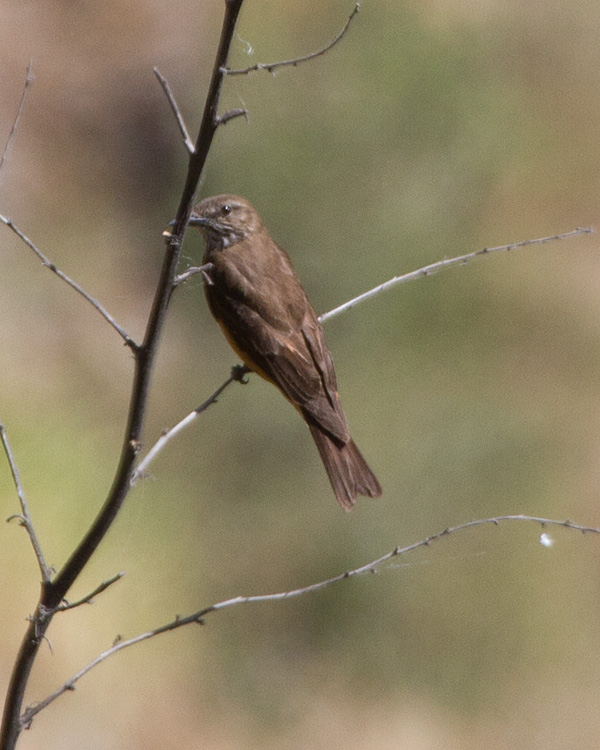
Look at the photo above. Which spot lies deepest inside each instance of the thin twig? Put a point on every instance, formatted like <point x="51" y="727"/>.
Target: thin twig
<point x="73" y="284"/>
<point x="168" y="435"/>
<point x="232" y="114"/>
<point x="371" y="567"/>
<point x="29" y="79"/>
<point x="441" y="265"/>
<point x="89" y="599"/>
<point x="189" y="143"/>
<point x="24" y="517"/>
<point x="272" y="66"/>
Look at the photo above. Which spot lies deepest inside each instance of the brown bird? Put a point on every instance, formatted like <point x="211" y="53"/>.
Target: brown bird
<point x="257" y="299"/>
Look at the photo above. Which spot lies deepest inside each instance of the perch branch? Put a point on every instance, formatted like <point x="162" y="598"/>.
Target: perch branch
<point x="272" y="66"/>
<point x="371" y="567"/>
<point x="146" y="352"/>
<point x="168" y="435"/>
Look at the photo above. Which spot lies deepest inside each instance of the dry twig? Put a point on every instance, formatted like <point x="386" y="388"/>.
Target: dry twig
<point x="89" y="598"/>
<point x="441" y="265"/>
<point x="189" y="143"/>
<point x="29" y="79"/>
<point x="296" y="61"/>
<point x="24" y="516"/>
<point x="370" y="567"/>
<point x="73" y="284"/>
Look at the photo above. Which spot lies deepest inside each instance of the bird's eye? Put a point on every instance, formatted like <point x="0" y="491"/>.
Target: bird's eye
<point x="226" y="209"/>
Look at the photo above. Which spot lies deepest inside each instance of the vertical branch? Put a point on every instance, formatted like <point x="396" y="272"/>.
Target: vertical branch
<point x="210" y="121"/>
<point x="54" y="591"/>
<point x="145" y="355"/>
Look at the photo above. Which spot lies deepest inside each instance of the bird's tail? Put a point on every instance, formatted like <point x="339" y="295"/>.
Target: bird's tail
<point x="346" y="468"/>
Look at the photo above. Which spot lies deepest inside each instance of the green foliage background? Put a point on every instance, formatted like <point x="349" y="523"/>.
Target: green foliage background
<point x="435" y="128"/>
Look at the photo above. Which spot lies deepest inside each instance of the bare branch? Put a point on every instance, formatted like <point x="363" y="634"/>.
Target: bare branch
<point x="146" y="352"/>
<point x="29" y="79"/>
<point x="89" y="599"/>
<point x="24" y="517"/>
<point x="272" y="66"/>
<point x="168" y="435"/>
<point x="371" y="567"/>
<point x="73" y="284"/>
<point x="189" y="143"/>
<point x="433" y="268"/>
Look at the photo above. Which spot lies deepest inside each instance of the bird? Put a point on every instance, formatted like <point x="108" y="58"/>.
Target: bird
<point x="258" y="301"/>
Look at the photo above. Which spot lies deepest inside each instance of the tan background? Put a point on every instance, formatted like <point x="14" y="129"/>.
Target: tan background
<point x="435" y="128"/>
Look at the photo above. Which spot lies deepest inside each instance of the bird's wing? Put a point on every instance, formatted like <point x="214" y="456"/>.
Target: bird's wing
<point x="294" y="356"/>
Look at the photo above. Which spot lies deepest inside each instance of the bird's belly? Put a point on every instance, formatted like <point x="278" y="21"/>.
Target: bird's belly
<point x="241" y="353"/>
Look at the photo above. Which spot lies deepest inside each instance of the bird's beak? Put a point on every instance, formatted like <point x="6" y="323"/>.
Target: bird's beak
<point x="194" y="221"/>
<point x="198" y="221"/>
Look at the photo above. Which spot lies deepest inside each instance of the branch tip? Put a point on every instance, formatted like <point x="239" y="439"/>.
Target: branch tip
<point x="230" y="115"/>
<point x="433" y="268"/>
<point x="89" y="599"/>
<point x="192" y="271"/>
<point x="189" y="144"/>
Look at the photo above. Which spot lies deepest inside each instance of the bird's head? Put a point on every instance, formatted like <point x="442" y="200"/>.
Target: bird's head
<point x="225" y="220"/>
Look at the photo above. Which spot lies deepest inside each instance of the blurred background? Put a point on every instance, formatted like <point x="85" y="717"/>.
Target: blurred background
<point x="434" y="129"/>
